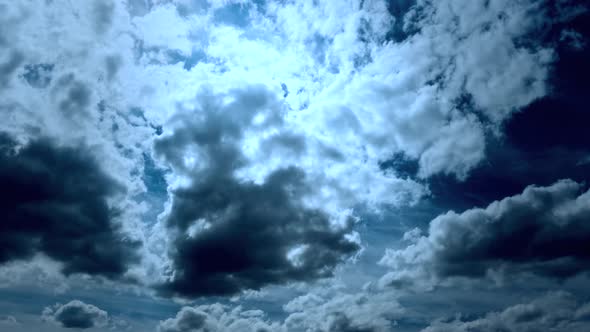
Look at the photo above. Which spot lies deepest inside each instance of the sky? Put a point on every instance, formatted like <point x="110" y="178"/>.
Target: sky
<point x="294" y="165"/>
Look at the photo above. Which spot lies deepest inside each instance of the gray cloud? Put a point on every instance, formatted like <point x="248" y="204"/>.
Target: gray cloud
<point x="8" y="320"/>
<point x="543" y="231"/>
<point x="113" y="63"/>
<point x="75" y="96"/>
<point x="218" y="318"/>
<point x="188" y="319"/>
<point x="329" y="311"/>
<point x="103" y="15"/>
<point x="557" y="311"/>
<point x="339" y="322"/>
<point x="9" y="67"/>
<point x="54" y="200"/>
<point x="232" y="234"/>
<point x="76" y="315"/>
<point x="38" y="75"/>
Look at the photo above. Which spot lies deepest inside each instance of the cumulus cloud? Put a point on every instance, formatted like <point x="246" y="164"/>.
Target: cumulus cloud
<point x="332" y="310"/>
<point x="55" y="201"/>
<point x="231" y="234"/>
<point x="557" y="311"/>
<point x="541" y="231"/>
<point x="218" y="318"/>
<point x="76" y="315"/>
<point x="326" y="310"/>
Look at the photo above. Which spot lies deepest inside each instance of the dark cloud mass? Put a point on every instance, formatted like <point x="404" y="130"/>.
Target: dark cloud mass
<point x="76" y="315"/>
<point x="54" y="200"/>
<point x="247" y="229"/>
<point x="544" y="231"/>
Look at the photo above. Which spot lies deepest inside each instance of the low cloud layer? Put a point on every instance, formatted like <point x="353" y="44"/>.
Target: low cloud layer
<point x="76" y="315"/>
<point x="543" y="231"/>
<point x="558" y="311"/>
<point x="328" y="310"/>
<point x="336" y="311"/>
<point x="218" y="318"/>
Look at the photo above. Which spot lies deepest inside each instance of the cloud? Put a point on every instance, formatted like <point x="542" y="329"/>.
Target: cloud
<point x="55" y="201"/>
<point x="230" y="234"/>
<point x="262" y="187"/>
<point x="8" y="320"/>
<point x="328" y="310"/>
<point x="76" y="315"/>
<point x="187" y="319"/>
<point x="542" y="231"/>
<point x="556" y="311"/>
<point x="218" y="318"/>
<point x="410" y="94"/>
<point x="338" y="311"/>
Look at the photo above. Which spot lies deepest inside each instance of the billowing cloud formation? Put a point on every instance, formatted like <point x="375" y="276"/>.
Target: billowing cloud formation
<point x="231" y="234"/>
<point x="55" y="201"/>
<point x="558" y="311"/>
<point x="325" y="311"/>
<point x="544" y="231"/>
<point x="340" y="312"/>
<point x="218" y="318"/>
<point x="453" y="75"/>
<point x="76" y="315"/>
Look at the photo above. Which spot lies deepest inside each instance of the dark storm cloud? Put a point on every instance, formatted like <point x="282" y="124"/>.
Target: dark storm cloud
<point x="544" y="231"/>
<point x="244" y="230"/>
<point x="557" y="311"/>
<point x="76" y="315"/>
<point x="53" y="200"/>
